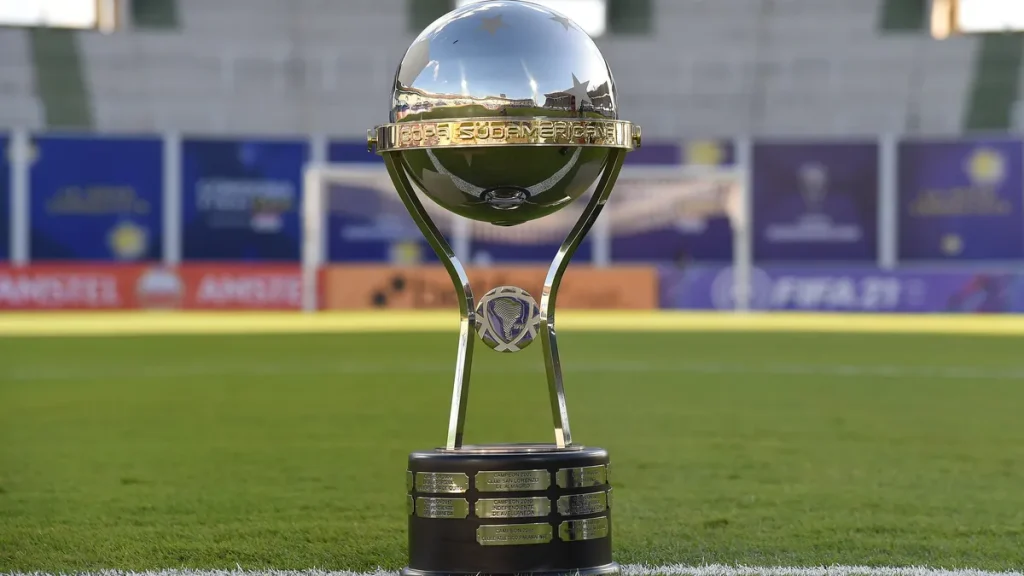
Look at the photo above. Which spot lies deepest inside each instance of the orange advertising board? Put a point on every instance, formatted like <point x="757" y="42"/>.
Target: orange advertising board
<point x="425" y="287"/>
<point x="113" y="287"/>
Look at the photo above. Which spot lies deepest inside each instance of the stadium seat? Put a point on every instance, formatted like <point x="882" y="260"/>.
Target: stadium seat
<point x="313" y="66"/>
<point x="21" y="106"/>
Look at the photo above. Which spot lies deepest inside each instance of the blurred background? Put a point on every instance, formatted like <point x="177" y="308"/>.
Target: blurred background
<point x="839" y="155"/>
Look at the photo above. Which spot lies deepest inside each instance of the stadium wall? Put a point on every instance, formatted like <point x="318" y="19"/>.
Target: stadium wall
<point x="232" y="286"/>
<point x="884" y="224"/>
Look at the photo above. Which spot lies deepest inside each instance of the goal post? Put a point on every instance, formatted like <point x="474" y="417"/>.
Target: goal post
<point x="645" y="198"/>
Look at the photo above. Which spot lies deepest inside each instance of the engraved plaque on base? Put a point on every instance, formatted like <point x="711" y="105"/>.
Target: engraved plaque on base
<point x="587" y="529"/>
<point x="514" y="534"/>
<point x="513" y="481"/>
<point x="442" y="482"/>
<point x="586" y="477"/>
<point x="582" y="504"/>
<point x="513" y="507"/>
<point x="442" y="507"/>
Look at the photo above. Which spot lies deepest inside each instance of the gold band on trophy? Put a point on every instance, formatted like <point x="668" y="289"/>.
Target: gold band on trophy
<point x="471" y="132"/>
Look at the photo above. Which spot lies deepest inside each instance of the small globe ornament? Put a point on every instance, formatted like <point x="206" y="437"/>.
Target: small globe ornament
<point x="507" y="319"/>
<point x="497" y="61"/>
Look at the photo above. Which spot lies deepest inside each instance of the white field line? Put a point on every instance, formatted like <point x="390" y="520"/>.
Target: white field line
<point x="258" y="369"/>
<point x="627" y="570"/>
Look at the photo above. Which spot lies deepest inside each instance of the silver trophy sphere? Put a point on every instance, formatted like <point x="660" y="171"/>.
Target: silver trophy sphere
<point x="505" y="112"/>
<point x="504" y="60"/>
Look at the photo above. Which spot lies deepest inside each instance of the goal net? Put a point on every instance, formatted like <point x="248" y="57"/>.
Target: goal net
<point x="347" y="203"/>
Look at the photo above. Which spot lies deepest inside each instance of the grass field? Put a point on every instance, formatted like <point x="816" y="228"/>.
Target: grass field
<point x="288" y="451"/>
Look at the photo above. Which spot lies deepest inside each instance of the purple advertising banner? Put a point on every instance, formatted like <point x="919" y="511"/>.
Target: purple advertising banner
<point x="846" y="289"/>
<point x="815" y="201"/>
<point x="705" y="238"/>
<point x="961" y="200"/>
<point x="708" y="153"/>
<point x="366" y="220"/>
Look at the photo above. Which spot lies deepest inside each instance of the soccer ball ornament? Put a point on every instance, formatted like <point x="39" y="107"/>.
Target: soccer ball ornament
<point x="507" y="319"/>
<point x="496" y="61"/>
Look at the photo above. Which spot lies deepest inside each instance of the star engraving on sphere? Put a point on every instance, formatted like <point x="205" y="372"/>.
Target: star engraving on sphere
<point x="468" y="155"/>
<point x="492" y="24"/>
<point x="579" y="92"/>
<point x="563" y="21"/>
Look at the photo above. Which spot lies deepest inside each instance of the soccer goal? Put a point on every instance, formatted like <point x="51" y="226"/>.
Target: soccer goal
<point x="645" y="198"/>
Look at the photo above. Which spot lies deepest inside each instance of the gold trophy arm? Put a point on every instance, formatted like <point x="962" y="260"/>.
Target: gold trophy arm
<point x="549" y="341"/>
<point x="467" y="325"/>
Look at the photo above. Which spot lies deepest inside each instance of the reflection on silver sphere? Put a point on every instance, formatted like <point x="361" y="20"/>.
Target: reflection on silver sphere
<point x="504" y="59"/>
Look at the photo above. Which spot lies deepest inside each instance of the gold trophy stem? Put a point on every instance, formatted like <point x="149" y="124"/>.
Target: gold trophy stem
<point x="549" y="341"/>
<point x="467" y="310"/>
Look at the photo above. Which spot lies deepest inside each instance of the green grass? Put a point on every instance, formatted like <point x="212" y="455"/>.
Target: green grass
<point x="289" y="451"/>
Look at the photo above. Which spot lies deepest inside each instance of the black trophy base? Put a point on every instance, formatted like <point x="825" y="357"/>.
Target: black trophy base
<point x="510" y="509"/>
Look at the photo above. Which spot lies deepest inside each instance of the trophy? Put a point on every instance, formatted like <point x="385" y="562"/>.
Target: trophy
<point x="505" y="112"/>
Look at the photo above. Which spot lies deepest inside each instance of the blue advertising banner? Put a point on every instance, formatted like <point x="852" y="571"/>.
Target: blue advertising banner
<point x="961" y="200"/>
<point x="688" y="237"/>
<point x="846" y="289"/>
<point x="366" y="220"/>
<point x="241" y="199"/>
<point x="351" y="151"/>
<point x="96" y="199"/>
<point x="815" y="201"/>
<point x="5" y="198"/>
